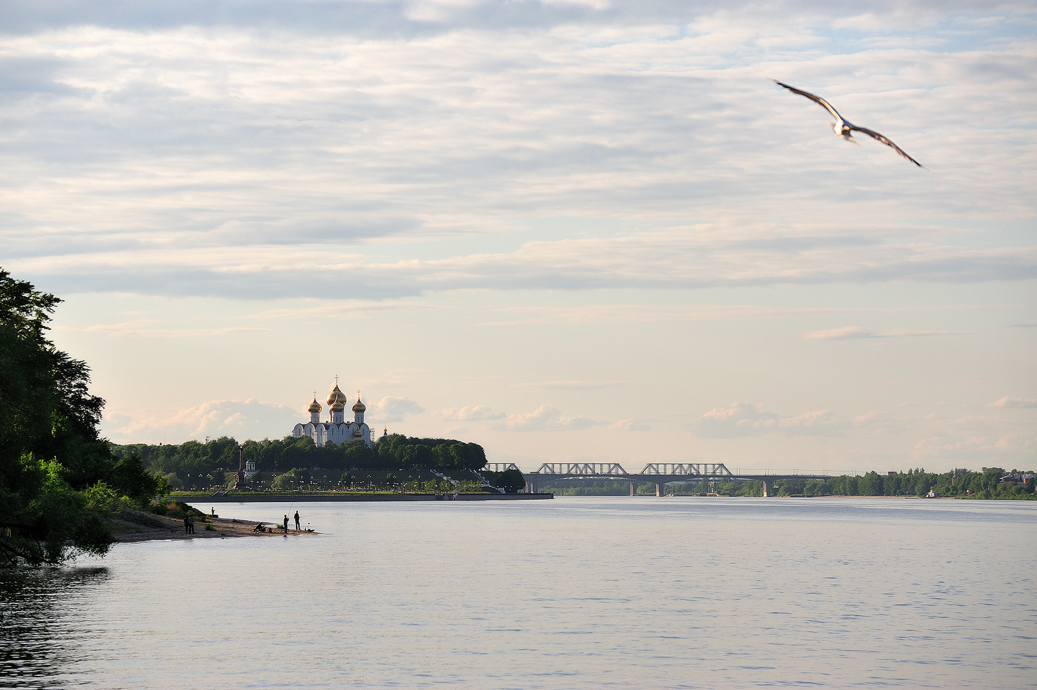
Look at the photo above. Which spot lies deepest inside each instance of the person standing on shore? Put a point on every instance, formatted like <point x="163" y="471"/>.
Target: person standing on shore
<point x="286" y="524"/>
<point x="187" y="524"/>
<point x="297" y="528"/>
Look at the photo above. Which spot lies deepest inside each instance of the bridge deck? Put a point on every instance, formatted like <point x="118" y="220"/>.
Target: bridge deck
<point x="656" y="472"/>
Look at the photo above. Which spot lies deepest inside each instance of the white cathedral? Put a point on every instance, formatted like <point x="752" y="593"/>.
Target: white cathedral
<point x="337" y="430"/>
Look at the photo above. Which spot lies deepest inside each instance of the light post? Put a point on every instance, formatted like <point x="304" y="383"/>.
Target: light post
<point x="240" y="484"/>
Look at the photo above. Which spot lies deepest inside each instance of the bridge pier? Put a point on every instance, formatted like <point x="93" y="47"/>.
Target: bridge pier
<point x="766" y="488"/>
<point x="631" y="488"/>
<point x="659" y="489"/>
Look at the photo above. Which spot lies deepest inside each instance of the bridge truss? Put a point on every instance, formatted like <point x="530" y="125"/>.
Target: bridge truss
<point x="658" y="473"/>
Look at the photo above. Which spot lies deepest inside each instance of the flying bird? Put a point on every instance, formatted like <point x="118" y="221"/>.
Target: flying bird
<point x="843" y="127"/>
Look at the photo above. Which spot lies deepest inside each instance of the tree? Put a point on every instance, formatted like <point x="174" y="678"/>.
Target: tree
<point x="511" y="481"/>
<point x="58" y="478"/>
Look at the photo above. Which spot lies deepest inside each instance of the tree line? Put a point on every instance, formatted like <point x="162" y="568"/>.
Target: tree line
<point x="213" y="458"/>
<point x="988" y="483"/>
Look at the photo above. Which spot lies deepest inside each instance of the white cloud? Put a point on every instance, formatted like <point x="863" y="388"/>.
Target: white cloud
<point x="146" y="328"/>
<point x="392" y="409"/>
<point x="629" y="425"/>
<point x="670" y="258"/>
<point x="471" y="413"/>
<point x="746" y="419"/>
<point x="1014" y="402"/>
<point x="242" y="419"/>
<point x="972" y="448"/>
<point x="245" y="161"/>
<point x="856" y="332"/>
<point x="567" y="385"/>
<point x="546" y="418"/>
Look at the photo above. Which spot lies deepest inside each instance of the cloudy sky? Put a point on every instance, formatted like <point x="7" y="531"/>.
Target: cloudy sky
<point x="567" y="231"/>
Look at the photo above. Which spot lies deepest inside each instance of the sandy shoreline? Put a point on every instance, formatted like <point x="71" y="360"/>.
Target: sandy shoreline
<point x="134" y="526"/>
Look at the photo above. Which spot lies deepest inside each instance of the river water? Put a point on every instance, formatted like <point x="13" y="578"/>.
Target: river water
<point x="570" y="593"/>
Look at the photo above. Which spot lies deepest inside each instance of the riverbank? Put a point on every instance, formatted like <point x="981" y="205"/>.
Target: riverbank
<point x="136" y="526"/>
<point x="233" y="497"/>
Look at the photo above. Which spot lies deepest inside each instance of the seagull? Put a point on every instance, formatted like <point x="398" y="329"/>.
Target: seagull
<point x="842" y="127"/>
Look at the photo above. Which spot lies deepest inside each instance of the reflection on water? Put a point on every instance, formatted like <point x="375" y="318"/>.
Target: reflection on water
<point x="571" y="593"/>
<point x="40" y="624"/>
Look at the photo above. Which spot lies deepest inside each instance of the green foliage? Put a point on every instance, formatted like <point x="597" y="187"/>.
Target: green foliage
<point x="511" y="481"/>
<point x="203" y="465"/>
<point x="56" y="522"/>
<point x="58" y="478"/>
<point x="586" y="487"/>
<point x="130" y="478"/>
<point x="175" y="509"/>
<point x="292" y="479"/>
<point x="990" y="482"/>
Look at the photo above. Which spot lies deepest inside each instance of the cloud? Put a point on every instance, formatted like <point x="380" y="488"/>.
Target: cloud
<point x="746" y="419"/>
<point x="346" y="309"/>
<point x="629" y="425"/>
<point x="655" y="313"/>
<point x="230" y="149"/>
<point x="145" y="328"/>
<point x="568" y="385"/>
<point x="242" y="419"/>
<point x="1014" y="402"/>
<point x="471" y="413"/>
<point x="546" y="418"/>
<point x="674" y="258"/>
<point x="966" y="447"/>
<point x="392" y="409"/>
<point x="856" y="332"/>
<point x="869" y="417"/>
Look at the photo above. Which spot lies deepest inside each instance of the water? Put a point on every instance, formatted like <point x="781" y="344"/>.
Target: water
<point x="570" y="593"/>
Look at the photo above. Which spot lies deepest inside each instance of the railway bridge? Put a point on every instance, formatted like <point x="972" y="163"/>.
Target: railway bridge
<point x="658" y="473"/>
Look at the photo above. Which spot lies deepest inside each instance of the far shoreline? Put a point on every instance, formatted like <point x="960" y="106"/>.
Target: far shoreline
<point x="231" y="497"/>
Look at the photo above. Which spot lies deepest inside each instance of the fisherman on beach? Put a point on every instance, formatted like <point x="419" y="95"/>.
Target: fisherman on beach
<point x="286" y="524"/>
<point x="297" y="528"/>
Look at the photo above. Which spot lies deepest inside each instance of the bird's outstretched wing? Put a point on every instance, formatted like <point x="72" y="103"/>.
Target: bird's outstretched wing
<point x="878" y="137"/>
<point x="816" y="99"/>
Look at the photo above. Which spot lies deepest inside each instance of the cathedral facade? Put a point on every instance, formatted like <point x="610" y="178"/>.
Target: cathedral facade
<point x="337" y="430"/>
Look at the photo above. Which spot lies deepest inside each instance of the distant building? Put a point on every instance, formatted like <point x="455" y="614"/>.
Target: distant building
<point x="337" y="430"/>
<point x="250" y="468"/>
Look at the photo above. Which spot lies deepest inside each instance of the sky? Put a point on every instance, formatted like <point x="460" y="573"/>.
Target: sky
<point x="588" y="231"/>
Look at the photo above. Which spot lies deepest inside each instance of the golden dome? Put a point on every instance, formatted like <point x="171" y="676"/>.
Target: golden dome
<point x="337" y="406"/>
<point x="359" y="406"/>
<point x="337" y="396"/>
<point x="314" y="406"/>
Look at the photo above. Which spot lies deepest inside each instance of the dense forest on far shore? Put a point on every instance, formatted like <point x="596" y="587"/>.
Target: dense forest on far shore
<point x="179" y="464"/>
<point x="990" y="482"/>
<point x="197" y="464"/>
